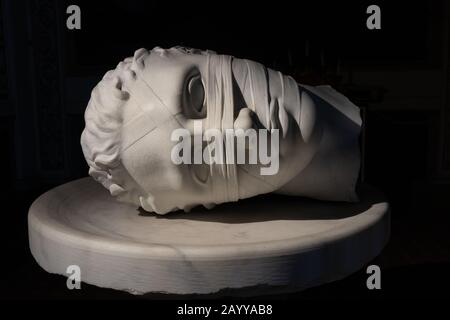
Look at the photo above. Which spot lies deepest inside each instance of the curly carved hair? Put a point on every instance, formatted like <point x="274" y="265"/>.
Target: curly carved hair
<point x="101" y="138"/>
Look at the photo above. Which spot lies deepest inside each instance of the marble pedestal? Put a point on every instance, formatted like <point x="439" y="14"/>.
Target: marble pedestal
<point x="271" y="243"/>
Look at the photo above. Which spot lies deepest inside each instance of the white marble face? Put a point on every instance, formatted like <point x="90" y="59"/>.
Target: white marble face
<point x="176" y="80"/>
<point x="135" y="109"/>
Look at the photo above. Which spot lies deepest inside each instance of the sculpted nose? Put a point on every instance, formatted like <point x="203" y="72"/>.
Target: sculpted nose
<point x="244" y="120"/>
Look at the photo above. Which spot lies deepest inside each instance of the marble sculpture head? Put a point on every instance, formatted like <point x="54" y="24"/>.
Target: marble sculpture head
<point x="136" y="107"/>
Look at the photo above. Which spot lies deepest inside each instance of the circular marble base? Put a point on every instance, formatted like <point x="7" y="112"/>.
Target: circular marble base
<point x="271" y="242"/>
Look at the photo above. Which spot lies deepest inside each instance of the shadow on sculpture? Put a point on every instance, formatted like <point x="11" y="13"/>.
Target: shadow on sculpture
<point x="272" y="207"/>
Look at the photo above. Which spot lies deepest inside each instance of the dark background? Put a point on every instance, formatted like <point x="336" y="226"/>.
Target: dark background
<point x="398" y="76"/>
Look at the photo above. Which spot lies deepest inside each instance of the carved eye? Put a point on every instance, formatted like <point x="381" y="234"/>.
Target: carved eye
<point x="196" y="97"/>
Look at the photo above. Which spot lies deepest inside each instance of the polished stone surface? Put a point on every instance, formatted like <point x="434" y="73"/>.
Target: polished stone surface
<point x="277" y="243"/>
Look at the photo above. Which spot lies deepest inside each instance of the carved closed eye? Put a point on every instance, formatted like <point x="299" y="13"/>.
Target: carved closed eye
<point x="196" y="98"/>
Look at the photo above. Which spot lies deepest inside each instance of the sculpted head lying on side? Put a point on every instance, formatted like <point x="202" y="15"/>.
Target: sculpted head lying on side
<point x="174" y="128"/>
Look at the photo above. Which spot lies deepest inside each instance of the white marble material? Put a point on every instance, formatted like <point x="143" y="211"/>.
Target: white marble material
<point x="280" y="242"/>
<point x="136" y="107"/>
